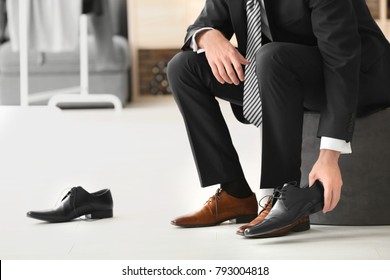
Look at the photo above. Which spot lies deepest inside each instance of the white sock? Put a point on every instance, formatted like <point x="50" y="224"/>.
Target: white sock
<point x="264" y="192"/>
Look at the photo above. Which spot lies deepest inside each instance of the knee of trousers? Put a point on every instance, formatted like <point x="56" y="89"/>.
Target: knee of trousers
<point x="179" y="70"/>
<point x="271" y="58"/>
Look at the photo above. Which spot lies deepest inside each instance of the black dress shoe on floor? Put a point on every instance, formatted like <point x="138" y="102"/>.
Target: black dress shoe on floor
<point x="78" y="202"/>
<point x="289" y="212"/>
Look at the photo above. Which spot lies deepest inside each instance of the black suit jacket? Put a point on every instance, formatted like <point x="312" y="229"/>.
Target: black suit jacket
<point x="344" y="31"/>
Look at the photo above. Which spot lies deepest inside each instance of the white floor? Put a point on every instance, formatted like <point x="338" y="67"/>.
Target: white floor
<point x="144" y="157"/>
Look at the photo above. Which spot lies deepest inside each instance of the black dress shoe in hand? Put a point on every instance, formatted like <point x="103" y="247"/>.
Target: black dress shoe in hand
<point x="78" y="202"/>
<point x="290" y="211"/>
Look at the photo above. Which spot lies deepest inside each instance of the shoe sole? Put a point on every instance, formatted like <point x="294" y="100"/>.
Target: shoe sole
<point x="294" y="227"/>
<point x="101" y="214"/>
<point x="95" y="215"/>
<point x="237" y="220"/>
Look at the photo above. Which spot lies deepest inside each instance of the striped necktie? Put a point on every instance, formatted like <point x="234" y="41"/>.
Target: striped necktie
<point x="251" y="99"/>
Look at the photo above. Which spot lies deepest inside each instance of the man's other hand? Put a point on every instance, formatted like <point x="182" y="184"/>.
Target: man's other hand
<point x="327" y="170"/>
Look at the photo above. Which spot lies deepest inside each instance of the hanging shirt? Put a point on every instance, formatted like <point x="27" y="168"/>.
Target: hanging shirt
<point x="52" y="25"/>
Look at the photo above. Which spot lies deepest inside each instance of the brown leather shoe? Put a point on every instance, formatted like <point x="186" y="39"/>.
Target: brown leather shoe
<point x="220" y="208"/>
<point x="302" y="224"/>
<point x="263" y="213"/>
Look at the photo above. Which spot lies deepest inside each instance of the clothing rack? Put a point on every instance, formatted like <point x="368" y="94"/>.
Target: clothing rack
<point x="78" y="94"/>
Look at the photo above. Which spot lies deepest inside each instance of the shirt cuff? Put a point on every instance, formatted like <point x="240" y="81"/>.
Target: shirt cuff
<point x="338" y="145"/>
<point x="193" y="44"/>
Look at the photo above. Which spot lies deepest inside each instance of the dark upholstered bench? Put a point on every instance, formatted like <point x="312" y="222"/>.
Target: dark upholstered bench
<point x="365" y="198"/>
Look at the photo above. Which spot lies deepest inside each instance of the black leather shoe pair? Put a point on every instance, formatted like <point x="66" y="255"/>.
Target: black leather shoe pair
<point x="290" y="211"/>
<point x="78" y="202"/>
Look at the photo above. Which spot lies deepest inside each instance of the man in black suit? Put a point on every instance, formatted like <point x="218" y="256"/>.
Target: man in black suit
<point x="327" y="56"/>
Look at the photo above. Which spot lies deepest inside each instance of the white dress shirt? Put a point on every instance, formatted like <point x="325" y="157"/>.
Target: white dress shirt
<point x="327" y="143"/>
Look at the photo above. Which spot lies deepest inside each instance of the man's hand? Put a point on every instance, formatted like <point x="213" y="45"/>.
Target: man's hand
<point x="327" y="170"/>
<point x="224" y="59"/>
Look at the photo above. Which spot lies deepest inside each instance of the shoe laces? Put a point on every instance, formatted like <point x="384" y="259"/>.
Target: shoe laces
<point x="71" y="194"/>
<point x="217" y="198"/>
<point x="268" y="204"/>
<point x="280" y="194"/>
<point x="63" y="196"/>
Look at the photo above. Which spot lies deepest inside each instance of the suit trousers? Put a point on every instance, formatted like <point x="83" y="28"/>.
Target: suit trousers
<point x="291" y="81"/>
